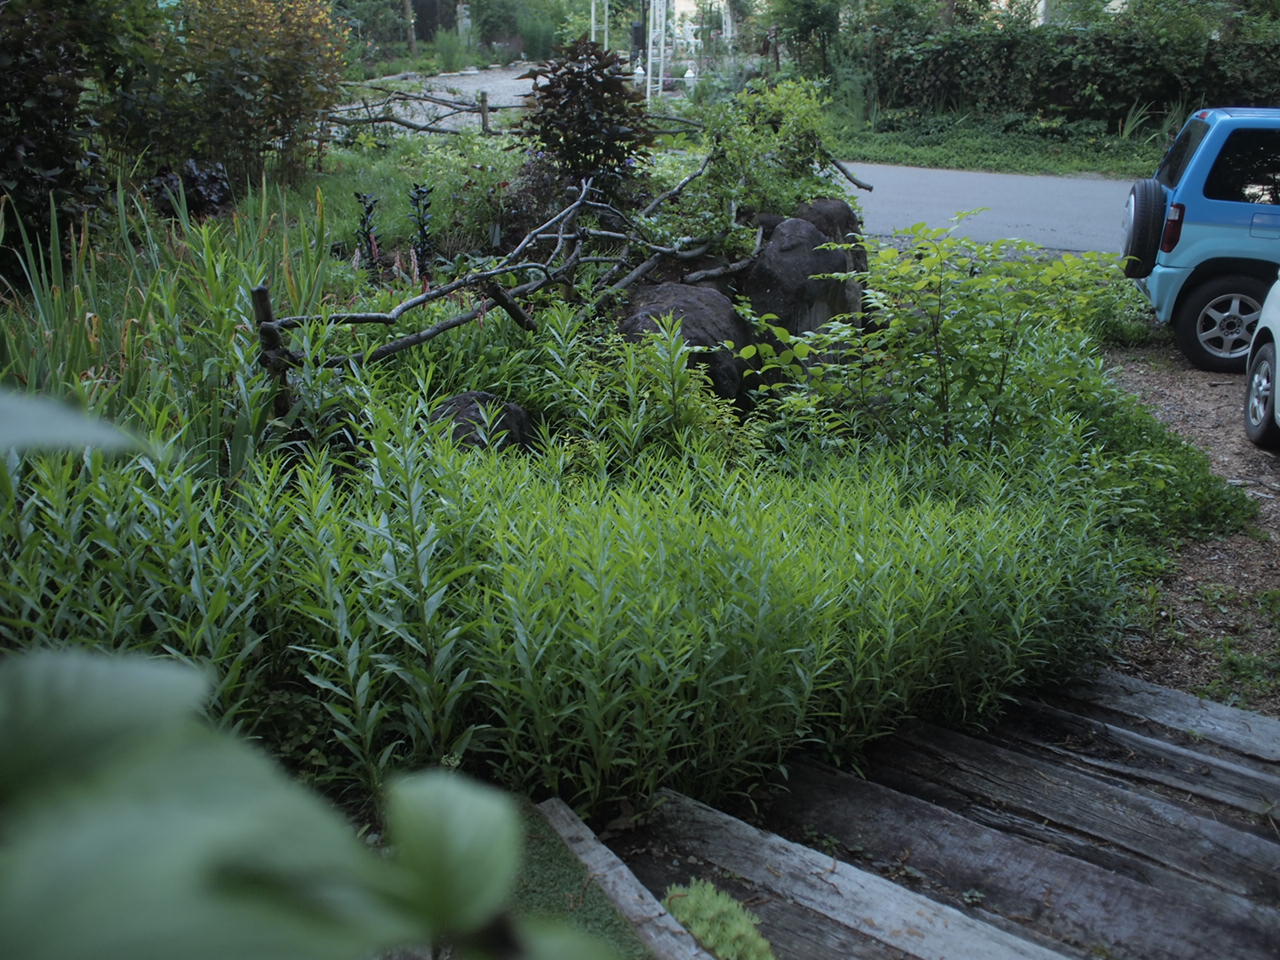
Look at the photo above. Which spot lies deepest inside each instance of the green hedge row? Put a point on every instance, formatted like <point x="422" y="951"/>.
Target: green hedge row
<point x="1093" y="72"/>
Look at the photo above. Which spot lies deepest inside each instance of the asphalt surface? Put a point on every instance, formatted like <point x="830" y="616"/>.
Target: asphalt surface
<point x="1062" y="213"/>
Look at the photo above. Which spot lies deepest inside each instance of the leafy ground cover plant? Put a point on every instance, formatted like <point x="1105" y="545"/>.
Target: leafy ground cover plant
<point x="721" y="924"/>
<point x="655" y="593"/>
<point x="185" y="840"/>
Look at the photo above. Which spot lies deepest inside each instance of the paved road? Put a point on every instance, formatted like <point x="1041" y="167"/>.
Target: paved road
<point x="1065" y="213"/>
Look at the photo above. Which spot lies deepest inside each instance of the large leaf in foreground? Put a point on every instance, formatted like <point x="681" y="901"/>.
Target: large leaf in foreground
<point x="199" y="849"/>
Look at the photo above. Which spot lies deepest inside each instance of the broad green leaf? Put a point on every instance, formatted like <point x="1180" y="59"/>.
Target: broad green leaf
<point x="461" y="842"/>
<point x="199" y="849"/>
<point x="65" y="712"/>
<point x="38" y="423"/>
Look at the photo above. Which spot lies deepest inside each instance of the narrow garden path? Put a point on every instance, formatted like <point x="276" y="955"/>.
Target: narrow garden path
<point x="1114" y="818"/>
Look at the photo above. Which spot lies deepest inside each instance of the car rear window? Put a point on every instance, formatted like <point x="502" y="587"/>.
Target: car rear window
<point x="1248" y="168"/>
<point x="1174" y="164"/>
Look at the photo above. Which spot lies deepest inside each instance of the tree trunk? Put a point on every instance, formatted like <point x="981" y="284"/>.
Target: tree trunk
<point x="410" y="33"/>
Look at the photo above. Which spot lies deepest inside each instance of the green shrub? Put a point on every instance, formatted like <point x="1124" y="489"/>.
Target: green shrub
<point x="65" y="66"/>
<point x="587" y="115"/>
<point x="1162" y="55"/>
<point x="241" y="82"/>
<point x="983" y="347"/>
<point x="683" y="623"/>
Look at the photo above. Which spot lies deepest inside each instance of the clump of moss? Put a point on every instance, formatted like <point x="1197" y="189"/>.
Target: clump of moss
<point x="722" y="925"/>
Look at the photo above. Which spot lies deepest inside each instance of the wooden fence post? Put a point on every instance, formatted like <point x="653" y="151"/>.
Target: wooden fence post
<point x="275" y="357"/>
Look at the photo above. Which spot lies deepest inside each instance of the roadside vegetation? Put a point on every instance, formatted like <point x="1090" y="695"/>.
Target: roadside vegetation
<point x="921" y="507"/>
<point x="986" y="86"/>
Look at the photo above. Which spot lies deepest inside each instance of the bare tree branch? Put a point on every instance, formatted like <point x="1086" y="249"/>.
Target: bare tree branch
<point x="860" y="184"/>
<point x="679" y="187"/>
<point x="736" y="267"/>
<point x="636" y="275"/>
<point x="513" y="309"/>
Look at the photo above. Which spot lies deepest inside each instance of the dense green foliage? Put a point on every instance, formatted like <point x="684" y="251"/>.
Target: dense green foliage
<point x="986" y="85"/>
<point x="238" y="82"/>
<point x="68" y="68"/>
<point x="587" y="115"/>
<point x="658" y="593"/>
<point x="1098" y="72"/>
<point x="221" y="82"/>
<point x="1086" y="63"/>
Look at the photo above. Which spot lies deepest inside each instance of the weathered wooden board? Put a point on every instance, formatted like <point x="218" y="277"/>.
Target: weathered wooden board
<point x="793" y="931"/>
<point x="865" y="901"/>
<point x="1152" y="829"/>
<point x="1105" y="913"/>
<point x="1138" y="757"/>
<point x="655" y="927"/>
<point x="1248" y="733"/>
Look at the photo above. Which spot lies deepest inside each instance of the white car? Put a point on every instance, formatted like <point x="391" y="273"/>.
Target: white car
<point x="1261" y="413"/>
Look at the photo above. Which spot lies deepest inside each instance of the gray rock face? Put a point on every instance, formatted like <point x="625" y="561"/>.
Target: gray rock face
<point x="839" y="224"/>
<point x="481" y="419"/>
<point x="780" y="281"/>
<point x="707" y="319"/>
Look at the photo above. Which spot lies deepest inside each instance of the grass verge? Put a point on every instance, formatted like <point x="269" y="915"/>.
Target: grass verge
<point x="1014" y="144"/>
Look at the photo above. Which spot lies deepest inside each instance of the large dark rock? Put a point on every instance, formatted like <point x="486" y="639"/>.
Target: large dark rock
<point x="839" y="224"/>
<point x="707" y="319"/>
<point x="781" y="281"/>
<point x="482" y="419"/>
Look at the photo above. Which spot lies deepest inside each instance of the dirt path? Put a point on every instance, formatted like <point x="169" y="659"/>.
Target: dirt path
<point x="1214" y="628"/>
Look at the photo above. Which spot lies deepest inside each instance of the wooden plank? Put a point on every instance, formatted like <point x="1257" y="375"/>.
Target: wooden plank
<point x="1029" y="883"/>
<point x="1135" y="756"/>
<point x="1152" y="829"/>
<point x="793" y="931"/>
<point x="1248" y="733"/>
<point x="656" y="928"/>
<point x="857" y="898"/>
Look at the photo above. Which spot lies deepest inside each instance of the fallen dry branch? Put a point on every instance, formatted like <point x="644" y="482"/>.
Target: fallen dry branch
<point x="394" y="121"/>
<point x="560" y="245"/>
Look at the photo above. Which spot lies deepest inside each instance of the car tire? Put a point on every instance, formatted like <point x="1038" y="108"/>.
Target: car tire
<point x="1260" y="399"/>
<point x="1214" y="322"/>
<point x="1143" y="224"/>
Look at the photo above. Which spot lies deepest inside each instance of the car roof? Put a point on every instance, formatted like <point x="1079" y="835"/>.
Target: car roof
<point x="1246" y="111"/>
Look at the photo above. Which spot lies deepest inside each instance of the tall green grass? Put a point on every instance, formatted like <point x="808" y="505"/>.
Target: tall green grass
<point x="658" y="592"/>
<point x="686" y="624"/>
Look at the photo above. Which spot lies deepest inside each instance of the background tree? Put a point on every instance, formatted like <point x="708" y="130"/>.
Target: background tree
<point x="809" y="28"/>
<point x="69" y="66"/>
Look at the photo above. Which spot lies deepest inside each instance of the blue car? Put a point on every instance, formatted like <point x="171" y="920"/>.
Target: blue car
<point x="1202" y="237"/>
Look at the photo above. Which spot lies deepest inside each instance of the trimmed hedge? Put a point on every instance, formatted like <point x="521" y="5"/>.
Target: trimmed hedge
<point x="1094" y="72"/>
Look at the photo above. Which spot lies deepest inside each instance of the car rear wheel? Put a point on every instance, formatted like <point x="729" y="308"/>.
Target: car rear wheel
<point x="1260" y="399"/>
<point x="1215" y="322"/>
<point x="1143" y="223"/>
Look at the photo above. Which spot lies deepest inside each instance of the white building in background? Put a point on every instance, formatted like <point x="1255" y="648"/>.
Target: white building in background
<point x="1045" y="9"/>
